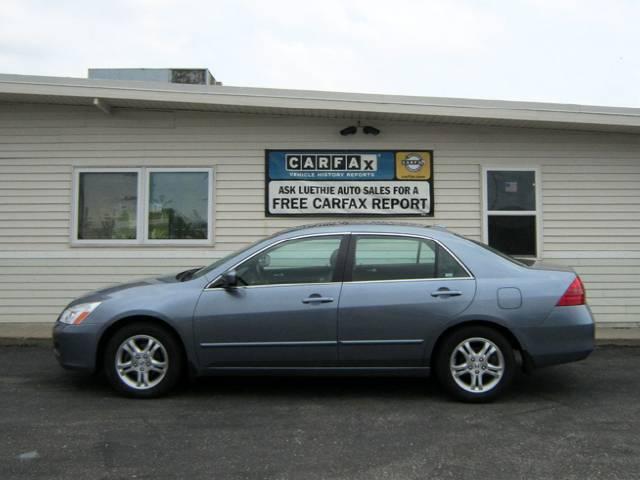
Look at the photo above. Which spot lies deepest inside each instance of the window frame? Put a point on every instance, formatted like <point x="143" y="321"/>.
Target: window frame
<point x="351" y="258"/>
<point x="537" y="213"/>
<point x="142" y="208"/>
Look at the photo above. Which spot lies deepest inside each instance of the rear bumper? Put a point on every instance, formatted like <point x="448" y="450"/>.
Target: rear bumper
<point x="567" y="335"/>
<point x="75" y="346"/>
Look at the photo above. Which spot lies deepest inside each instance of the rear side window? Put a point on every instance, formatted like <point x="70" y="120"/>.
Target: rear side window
<point x="402" y="258"/>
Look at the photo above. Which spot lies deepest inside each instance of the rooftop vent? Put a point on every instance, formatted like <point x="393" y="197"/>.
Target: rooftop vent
<point x="191" y="76"/>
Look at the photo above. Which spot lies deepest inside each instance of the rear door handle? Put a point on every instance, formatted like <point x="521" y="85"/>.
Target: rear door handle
<point x="317" y="299"/>
<point x="446" y="293"/>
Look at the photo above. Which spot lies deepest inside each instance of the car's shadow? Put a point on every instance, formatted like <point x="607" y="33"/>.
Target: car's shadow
<point x="553" y="381"/>
<point x="314" y="386"/>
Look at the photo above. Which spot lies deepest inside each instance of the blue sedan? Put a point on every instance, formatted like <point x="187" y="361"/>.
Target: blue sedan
<point x="336" y="299"/>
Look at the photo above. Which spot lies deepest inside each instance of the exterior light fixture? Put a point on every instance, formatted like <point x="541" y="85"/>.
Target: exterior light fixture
<point x="353" y="129"/>
<point x="349" y="131"/>
<point x="369" y="130"/>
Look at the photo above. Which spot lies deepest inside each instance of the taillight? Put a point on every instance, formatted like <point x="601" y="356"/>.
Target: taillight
<point x="575" y="294"/>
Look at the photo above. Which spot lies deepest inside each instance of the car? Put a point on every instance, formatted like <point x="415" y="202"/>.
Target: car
<point x="342" y="298"/>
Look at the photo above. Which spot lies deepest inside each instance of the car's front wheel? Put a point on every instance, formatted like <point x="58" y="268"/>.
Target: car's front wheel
<point x="143" y="360"/>
<point x="475" y="364"/>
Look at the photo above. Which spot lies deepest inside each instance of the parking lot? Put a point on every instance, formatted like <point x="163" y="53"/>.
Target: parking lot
<point x="575" y="421"/>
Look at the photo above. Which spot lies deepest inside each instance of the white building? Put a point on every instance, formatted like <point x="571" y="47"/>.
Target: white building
<point x="104" y="181"/>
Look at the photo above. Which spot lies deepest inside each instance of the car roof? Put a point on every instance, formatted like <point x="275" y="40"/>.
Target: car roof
<point x="368" y="226"/>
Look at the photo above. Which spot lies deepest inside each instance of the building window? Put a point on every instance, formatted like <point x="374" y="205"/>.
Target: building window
<point x="511" y="220"/>
<point x="107" y="205"/>
<point x="178" y="205"/>
<point x="143" y="206"/>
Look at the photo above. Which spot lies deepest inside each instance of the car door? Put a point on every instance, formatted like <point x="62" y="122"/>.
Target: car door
<point x="283" y="312"/>
<point x="398" y="290"/>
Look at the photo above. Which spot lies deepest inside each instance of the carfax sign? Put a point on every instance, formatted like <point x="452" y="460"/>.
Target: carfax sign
<point x="349" y="182"/>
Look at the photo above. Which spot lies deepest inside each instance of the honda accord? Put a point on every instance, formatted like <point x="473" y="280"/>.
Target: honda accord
<point x="336" y="299"/>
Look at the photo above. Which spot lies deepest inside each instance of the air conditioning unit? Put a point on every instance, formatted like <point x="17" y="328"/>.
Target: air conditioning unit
<point x="189" y="76"/>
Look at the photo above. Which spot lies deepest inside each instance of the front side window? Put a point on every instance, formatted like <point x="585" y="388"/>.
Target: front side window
<point x="113" y="206"/>
<point x="511" y="211"/>
<point x="402" y="258"/>
<point x="308" y="260"/>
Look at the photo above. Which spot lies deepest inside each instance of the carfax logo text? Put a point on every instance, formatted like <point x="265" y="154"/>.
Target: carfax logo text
<point x="340" y="163"/>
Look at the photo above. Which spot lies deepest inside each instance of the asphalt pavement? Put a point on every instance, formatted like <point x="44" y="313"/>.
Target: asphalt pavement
<point x="576" y="421"/>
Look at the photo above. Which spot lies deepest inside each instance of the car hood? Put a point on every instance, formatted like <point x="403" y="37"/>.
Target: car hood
<point x="107" y="292"/>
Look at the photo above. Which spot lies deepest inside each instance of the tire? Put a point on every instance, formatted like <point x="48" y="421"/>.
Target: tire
<point x="150" y="358"/>
<point x="478" y="378"/>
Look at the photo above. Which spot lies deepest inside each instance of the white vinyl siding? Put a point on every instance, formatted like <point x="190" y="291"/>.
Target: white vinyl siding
<point x="590" y="210"/>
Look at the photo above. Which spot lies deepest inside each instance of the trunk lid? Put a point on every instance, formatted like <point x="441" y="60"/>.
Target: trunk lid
<point x="543" y="265"/>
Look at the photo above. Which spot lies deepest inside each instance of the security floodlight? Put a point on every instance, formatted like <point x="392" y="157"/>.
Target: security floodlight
<point x="349" y="131"/>
<point x="369" y="130"/>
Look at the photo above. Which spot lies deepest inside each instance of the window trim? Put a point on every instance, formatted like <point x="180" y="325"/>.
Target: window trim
<point x="350" y="261"/>
<point x="141" y="208"/>
<point x="537" y="213"/>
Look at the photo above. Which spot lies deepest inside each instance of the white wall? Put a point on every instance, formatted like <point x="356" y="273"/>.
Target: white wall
<point x="590" y="193"/>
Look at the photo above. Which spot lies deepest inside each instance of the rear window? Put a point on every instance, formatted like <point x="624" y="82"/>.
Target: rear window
<point x="498" y="252"/>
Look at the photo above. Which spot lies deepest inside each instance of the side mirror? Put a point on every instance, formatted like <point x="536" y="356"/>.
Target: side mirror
<point x="229" y="279"/>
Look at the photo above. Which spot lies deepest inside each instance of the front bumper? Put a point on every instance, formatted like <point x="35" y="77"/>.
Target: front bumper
<point x="567" y="335"/>
<point x="75" y="346"/>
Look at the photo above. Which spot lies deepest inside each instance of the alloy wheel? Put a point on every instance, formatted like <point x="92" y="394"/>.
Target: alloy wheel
<point x="141" y="362"/>
<point x="477" y="365"/>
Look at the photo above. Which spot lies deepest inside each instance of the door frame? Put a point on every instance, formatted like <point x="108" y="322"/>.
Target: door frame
<point x="396" y="342"/>
<point x="336" y="283"/>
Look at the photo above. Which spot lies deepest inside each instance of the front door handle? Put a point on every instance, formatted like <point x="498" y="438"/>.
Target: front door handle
<point x="445" y="292"/>
<point x="315" y="298"/>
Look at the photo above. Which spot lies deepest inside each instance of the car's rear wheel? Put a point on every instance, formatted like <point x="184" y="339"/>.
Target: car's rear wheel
<point x="475" y="364"/>
<point x="143" y="360"/>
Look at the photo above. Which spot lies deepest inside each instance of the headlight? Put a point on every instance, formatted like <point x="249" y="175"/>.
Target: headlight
<point x="78" y="313"/>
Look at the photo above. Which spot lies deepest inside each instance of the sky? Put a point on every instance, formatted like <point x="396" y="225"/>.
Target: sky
<point x="566" y="51"/>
